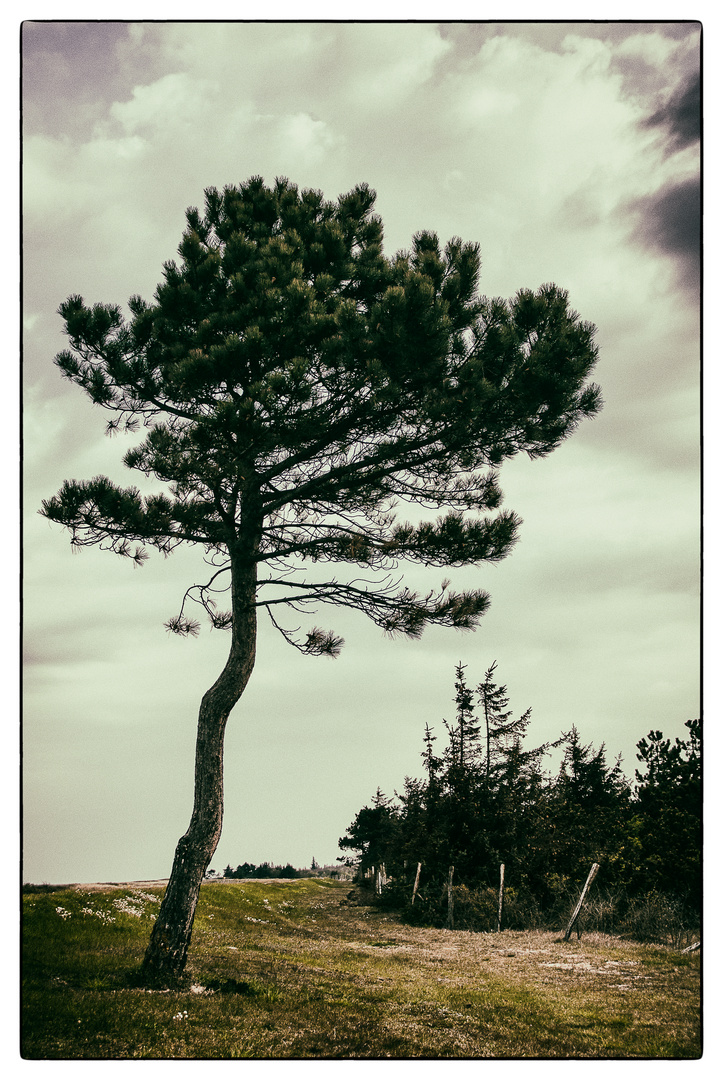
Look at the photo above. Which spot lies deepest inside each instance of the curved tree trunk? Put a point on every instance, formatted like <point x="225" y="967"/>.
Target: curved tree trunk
<point x="171" y="935"/>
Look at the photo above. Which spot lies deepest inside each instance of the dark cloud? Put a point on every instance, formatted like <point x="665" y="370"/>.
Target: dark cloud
<point x="68" y="67"/>
<point x="674" y="216"/>
<point x="680" y="116"/>
<point x="669" y="222"/>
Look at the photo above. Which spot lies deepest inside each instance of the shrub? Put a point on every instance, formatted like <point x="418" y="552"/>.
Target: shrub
<point x="603" y="912"/>
<point x="474" y="909"/>
<point x="478" y="909"/>
<point x="660" y="917"/>
<point x="655" y="917"/>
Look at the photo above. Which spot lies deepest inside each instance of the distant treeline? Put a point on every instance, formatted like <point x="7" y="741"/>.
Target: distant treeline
<point x="268" y="870"/>
<point x="486" y="799"/>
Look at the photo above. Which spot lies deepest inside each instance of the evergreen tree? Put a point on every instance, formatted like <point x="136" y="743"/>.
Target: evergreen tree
<point x="465" y="802"/>
<point x="374" y="835"/>
<point x="432" y="763"/>
<point x="464" y="735"/>
<point x="294" y="383"/>
<point x="589" y="811"/>
<point x="416" y="824"/>
<point x="668" y="814"/>
<point x="520" y="805"/>
<point x="476" y="807"/>
<point x="423" y="811"/>
<point x="494" y="701"/>
<point x="502" y="735"/>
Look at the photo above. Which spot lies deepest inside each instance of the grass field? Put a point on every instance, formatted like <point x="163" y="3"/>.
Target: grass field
<point x="306" y="969"/>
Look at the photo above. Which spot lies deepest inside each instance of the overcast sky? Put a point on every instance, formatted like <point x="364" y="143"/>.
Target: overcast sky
<point x="570" y="153"/>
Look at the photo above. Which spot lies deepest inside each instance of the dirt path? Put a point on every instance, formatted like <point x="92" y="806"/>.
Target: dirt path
<point x="536" y="957"/>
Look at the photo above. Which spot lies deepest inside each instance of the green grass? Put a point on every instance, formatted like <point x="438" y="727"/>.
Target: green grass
<point x="296" y="970"/>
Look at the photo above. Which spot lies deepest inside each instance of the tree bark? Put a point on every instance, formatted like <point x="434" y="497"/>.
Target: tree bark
<point x="171" y="935"/>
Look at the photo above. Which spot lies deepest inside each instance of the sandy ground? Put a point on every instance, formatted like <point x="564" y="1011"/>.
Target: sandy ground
<point x="98" y="886"/>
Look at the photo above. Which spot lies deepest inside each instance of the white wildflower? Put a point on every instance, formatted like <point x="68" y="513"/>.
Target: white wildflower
<point x="129" y="905"/>
<point x="104" y="916"/>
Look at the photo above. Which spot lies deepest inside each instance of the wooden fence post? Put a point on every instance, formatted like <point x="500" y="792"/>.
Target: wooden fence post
<point x="590" y="878"/>
<point x="502" y="890"/>
<point x="450" y="900"/>
<point x="416" y="881"/>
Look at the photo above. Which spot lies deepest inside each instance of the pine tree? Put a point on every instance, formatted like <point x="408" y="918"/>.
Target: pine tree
<point x="464" y="735"/>
<point x="519" y="802"/>
<point x="432" y="763"/>
<point x="374" y="834"/>
<point x="589" y="810"/>
<point x="668" y="814"/>
<point x="423" y="811"/>
<point x="295" y="383"/>
<point x="501" y="733"/>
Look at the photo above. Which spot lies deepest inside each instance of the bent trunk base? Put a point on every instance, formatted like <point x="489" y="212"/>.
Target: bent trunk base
<point x="171" y="935"/>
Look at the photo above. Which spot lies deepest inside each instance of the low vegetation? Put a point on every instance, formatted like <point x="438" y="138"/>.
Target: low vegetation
<point x="308" y="969"/>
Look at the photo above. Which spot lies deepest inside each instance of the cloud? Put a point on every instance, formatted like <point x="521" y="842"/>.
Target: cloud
<point x="669" y="222"/>
<point x="172" y="105"/>
<point x="307" y="139"/>
<point x="69" y="69"/>
<point x="673" y="219"/>
<point x="679" y="118"/>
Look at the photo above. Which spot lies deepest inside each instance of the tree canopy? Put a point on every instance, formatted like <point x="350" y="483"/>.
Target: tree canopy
<point x="296" y="383"/>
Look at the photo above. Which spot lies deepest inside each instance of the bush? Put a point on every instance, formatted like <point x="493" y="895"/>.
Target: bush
<point x="603" y="912"/>
<point x="478" y="909"/>
<point x="474" y="908"/>
<point x="659" y="917"/>
<point x="656" y="917"/>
